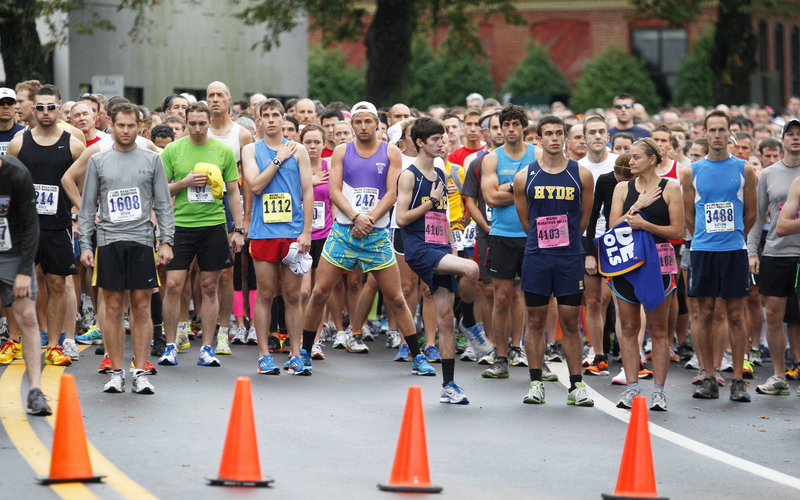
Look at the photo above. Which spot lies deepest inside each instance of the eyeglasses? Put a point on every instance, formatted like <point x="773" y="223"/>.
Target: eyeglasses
<point x="48" y="107"/>
<point x="623" y="106"/>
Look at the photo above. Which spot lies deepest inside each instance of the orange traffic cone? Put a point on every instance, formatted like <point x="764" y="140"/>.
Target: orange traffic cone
<point x="410" y="469"/>
<point x="636" y="478"/>
<point x="69" y="461"/>
<point x="240" y="465"/>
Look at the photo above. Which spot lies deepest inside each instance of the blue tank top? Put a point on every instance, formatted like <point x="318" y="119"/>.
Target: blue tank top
<point x="278" y="210"/>
<point x="505" y="221"/>
<point x="429" y="228"/>
<point x="364" y="182"/>
<point x="718" y="205"/>
<point x="554" y="206"/>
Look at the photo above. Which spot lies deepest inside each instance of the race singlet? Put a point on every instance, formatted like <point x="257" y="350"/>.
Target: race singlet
<point x="124" y="205"/>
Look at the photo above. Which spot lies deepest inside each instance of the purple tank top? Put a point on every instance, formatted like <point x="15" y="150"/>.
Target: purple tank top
<point x="322" y="221"/>
<point x="364" y="181"/>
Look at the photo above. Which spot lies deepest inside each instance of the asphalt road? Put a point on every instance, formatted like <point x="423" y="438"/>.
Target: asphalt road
<point x="333" y="435"/>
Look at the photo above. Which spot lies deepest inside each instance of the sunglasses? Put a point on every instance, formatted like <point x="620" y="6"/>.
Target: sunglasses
<point x="623" y="106"/>
<point x="48" y="107"/>
<point x="7" y="102"/>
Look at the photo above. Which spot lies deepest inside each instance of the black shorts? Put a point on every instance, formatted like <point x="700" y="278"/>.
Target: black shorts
<point x="719" y="274"/>
<point x="776" y="278"/>
<point x="482" y="258"/>
<point x="125" y="265"/>
<point x="316" y="251"/>
<point x="397" y="242"/>
<point x="209" y="244"/>
<point x="55" y="253"/>
<point x="536" y="300"/>
<point x="237" y="269"/>
<point x="505" y="257"/>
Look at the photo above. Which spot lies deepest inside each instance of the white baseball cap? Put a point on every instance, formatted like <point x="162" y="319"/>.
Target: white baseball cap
<point x="364" y="107"/>
<point x="299" y="263"/>
<point x="395" y="133"/>
<point x="7" y="93"/>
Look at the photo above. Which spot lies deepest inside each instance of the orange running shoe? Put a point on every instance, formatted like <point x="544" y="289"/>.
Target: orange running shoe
<point x="10" y="351"/>
<point x="105" y="365"/>
<point x="55" y="356"/>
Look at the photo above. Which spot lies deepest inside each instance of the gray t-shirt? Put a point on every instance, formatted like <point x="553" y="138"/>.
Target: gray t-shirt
<point x="128" y="185"/>
<point x="773" y="187"/>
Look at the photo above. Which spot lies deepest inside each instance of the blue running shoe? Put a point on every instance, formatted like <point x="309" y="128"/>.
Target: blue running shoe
<point x="432" y="353"/>
<point x="420" y="366"/>
<point x="92" y="336"/>
<point x="208" y="357"/>
<point x="297" y="367"/>
<point x="43" y="336"/>
<point x="477" y="338"/>
<point x="62" y="337"/>
<point x="170" y="356"/>
<point x="403" y="354"/>
<point x="267" y="366"/>
<point x="453" y="394"/>
<point x="306" y="357"/>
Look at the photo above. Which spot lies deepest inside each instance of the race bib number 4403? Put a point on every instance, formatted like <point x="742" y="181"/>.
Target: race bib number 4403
<point x="46" y="199"/>
<point x="719" y="217"/>
<point x="124" y="205"/>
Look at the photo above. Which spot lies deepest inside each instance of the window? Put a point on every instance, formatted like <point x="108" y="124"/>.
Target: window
<point x="663" y="48"/>
<point x="763" y="47"/>
<point x="795" y="49"/>
<point x="779" y="64"/>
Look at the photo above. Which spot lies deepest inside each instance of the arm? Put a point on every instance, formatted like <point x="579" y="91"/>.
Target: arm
<point x="750" y="198"/>
<point x="672" y="197"/>
<point x="72" y="180"/>
<point x="521" y="199"/>
<point x="76" y="147"/>
<point x="30" y="225"/>
<point x="390" y="198"/>
<point x="587" y="196"/>
<point x="688" y="198"/>
<point x="307" y="187"/>
<point x="15" y="145"/>
<point x="87" y="214"/>
<point x="616" y="216"/>
<point x="591" y="229"/>
<point x="494" y="194"/>
<point x="162" y="205"/>
<point x="258" y="181"/>
<point x="476" y="214"/>
<point x="754" y="236"/>
<point x="788" y="222"/>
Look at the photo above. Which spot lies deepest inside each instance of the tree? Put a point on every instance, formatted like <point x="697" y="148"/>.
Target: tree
<point x="330" y="78"/>
<point x="695" y="84"/>
<point x="536" y="74"/>
<point x="389" y="34"/>
<point x="612" y="72"/>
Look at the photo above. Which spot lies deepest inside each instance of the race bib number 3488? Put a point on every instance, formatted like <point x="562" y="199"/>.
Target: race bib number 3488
<point x="719" y="217"/>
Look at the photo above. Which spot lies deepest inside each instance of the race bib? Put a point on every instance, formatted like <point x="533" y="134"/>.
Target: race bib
<point x="469" y="235"/>
<point x="5" y="235"/>
<point x="124" y="205"/>
<point x="666" y="256"/>
<point x="488" y="214"/>
<point x="552" y="231"/>
<point x="458" y="238"/>
<point x="601" y="225"/>
<point x="277" y="207"/>
<point x="46" y="199"/>
<point x="318" y="222"/>
<point x="435" y="228"/>
<point x="719" y="217"/>
<point x="365" y="199"/>
<point x="200" y="194"/>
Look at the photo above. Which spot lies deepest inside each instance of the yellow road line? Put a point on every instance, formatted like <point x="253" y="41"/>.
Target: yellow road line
<point x="24" y="439"/>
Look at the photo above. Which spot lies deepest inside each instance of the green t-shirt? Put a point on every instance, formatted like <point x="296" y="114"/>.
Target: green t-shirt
<point x="179" y="159"/>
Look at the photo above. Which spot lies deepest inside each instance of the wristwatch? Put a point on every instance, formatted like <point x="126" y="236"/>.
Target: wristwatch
<point x="276" y="162"/>
<point x="239" y="230"/>
<point x="436" y="202"/>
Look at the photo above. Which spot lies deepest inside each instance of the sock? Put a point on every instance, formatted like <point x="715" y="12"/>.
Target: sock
<point x="574" y="379"/>
<point x="238" y="303"/>
<point x="536" y="374"/>
<point x="635" y="385"/>
<point x="658" y="388"/>
<point x="413" y="344"/>
<point x="308" y="339"/>
<point x="468" y="317"/>
<point x="252" y="303"/>
<point x="502" y="359"/>
<point x="448" y="370"/>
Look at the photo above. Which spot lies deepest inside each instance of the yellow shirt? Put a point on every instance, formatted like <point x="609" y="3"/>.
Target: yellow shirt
<point x="455" y="200"/>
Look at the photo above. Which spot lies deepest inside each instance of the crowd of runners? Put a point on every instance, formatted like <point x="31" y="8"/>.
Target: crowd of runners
<point x="493" y="234"/>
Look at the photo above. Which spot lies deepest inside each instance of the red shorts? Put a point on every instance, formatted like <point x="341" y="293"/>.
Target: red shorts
<point x="273" y="250"/>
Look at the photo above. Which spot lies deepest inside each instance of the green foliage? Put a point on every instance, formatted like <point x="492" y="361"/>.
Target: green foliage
<point x="676" y="13"/>
<point x="536" y="74"/>
<point x="444" y="77"/>
<point x="330" y="78"/>
<point x="695" y="83"/>
<point x="613" y="71"/>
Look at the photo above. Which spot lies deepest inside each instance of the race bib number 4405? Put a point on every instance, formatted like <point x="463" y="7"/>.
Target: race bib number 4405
<point x="719" y="217"/>
<point x="46" y="199"/>
<point x="124" y="205"/>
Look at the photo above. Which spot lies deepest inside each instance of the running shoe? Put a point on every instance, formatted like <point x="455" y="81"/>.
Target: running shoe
<point x="273" y="344"/>
<point x="554" y="353"/>
<point x="625" y="400"/>
<point x="267" y="366"/>
<point x="356" y="344"/>
<point x="170" y="356"/>
<point x="461" y="343"/>
<point x="432" y="354"/>
<point x="469" y="354"/>
<point x="149" y="369"/>
<point x="658" y="401"/>
<point x="708" y="389"/>
<point x="116" y="383"/>
<point x="764" y="350"/>
<point x="535" y="395"/>
<point x="182" y="340"/>
<point x="693" y="363"/>
<point x="208" y="357"/>
<point x="70" y="349"/>
<point x="420" y="366"/>
<point x="328" y="332"/>
<point x="727" y="363"/>
<point x="453" y="394"/>
<point x="286" y="344"/>
<point x="489" y="359"/>
<point x="588" y="357"/>
<point x="158" y="345"/>
<point x="754" y="356"/>
<point x="775" y="386"/>
<point x="517" y="357"/>
<point x="644" y="373"/>
<point x="739" y="391"/>
<point x="140" y="383"/>
<point x="92" y="336"/>
<point x="620" y="378"/>
<point x="316" y="351"/>
<point x="239" y="336"/>
<point x="306" y="357"/>
<point x="648" y="345"/>
<point x="222" y="343"/>
<point x="105" y="365"/>
<point x="10" y="351"/>
<point x="88" y="321"/>
<point x="579" y="396"/>
<point x="793" y="373"/>
<point x="748" y="369"/>
<point x="126" y="322"/>
<point x="403" y="354"/>
<point x="298" y="367"/>
<point x="684" y="351"/>
<point x="477" y="338"/>
<point x="252" y="338"/>
<point x="367" y="332"/>
<point x="719" y="378"/>
<point x="37" y="403"/>
<point x="698" y="377"/>
<point x="598" y="367"/>
<point x="55" y="356"/>
<point x="393" y="339"/>
<point x="340" y="341"/>
<point x="499" y="369"/>
<point x="44" y="338"/>
<point x="673" y="355"/>
<point x="547" y="375"/>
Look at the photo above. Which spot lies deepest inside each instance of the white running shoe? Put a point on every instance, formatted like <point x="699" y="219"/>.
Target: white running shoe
<point x="240" y="336"/>
<point x="116" y="383"/>
<point x="252" y="338"/>
<point x="620" y="378"/>
<point x="141" y="385"/>
<point x="692" y="364"/>
<point x="70" y="349"/>
<point x="342" y="339"/>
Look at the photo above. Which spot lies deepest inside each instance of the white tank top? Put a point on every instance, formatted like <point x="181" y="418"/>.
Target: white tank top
<point x="231" y="139"/>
